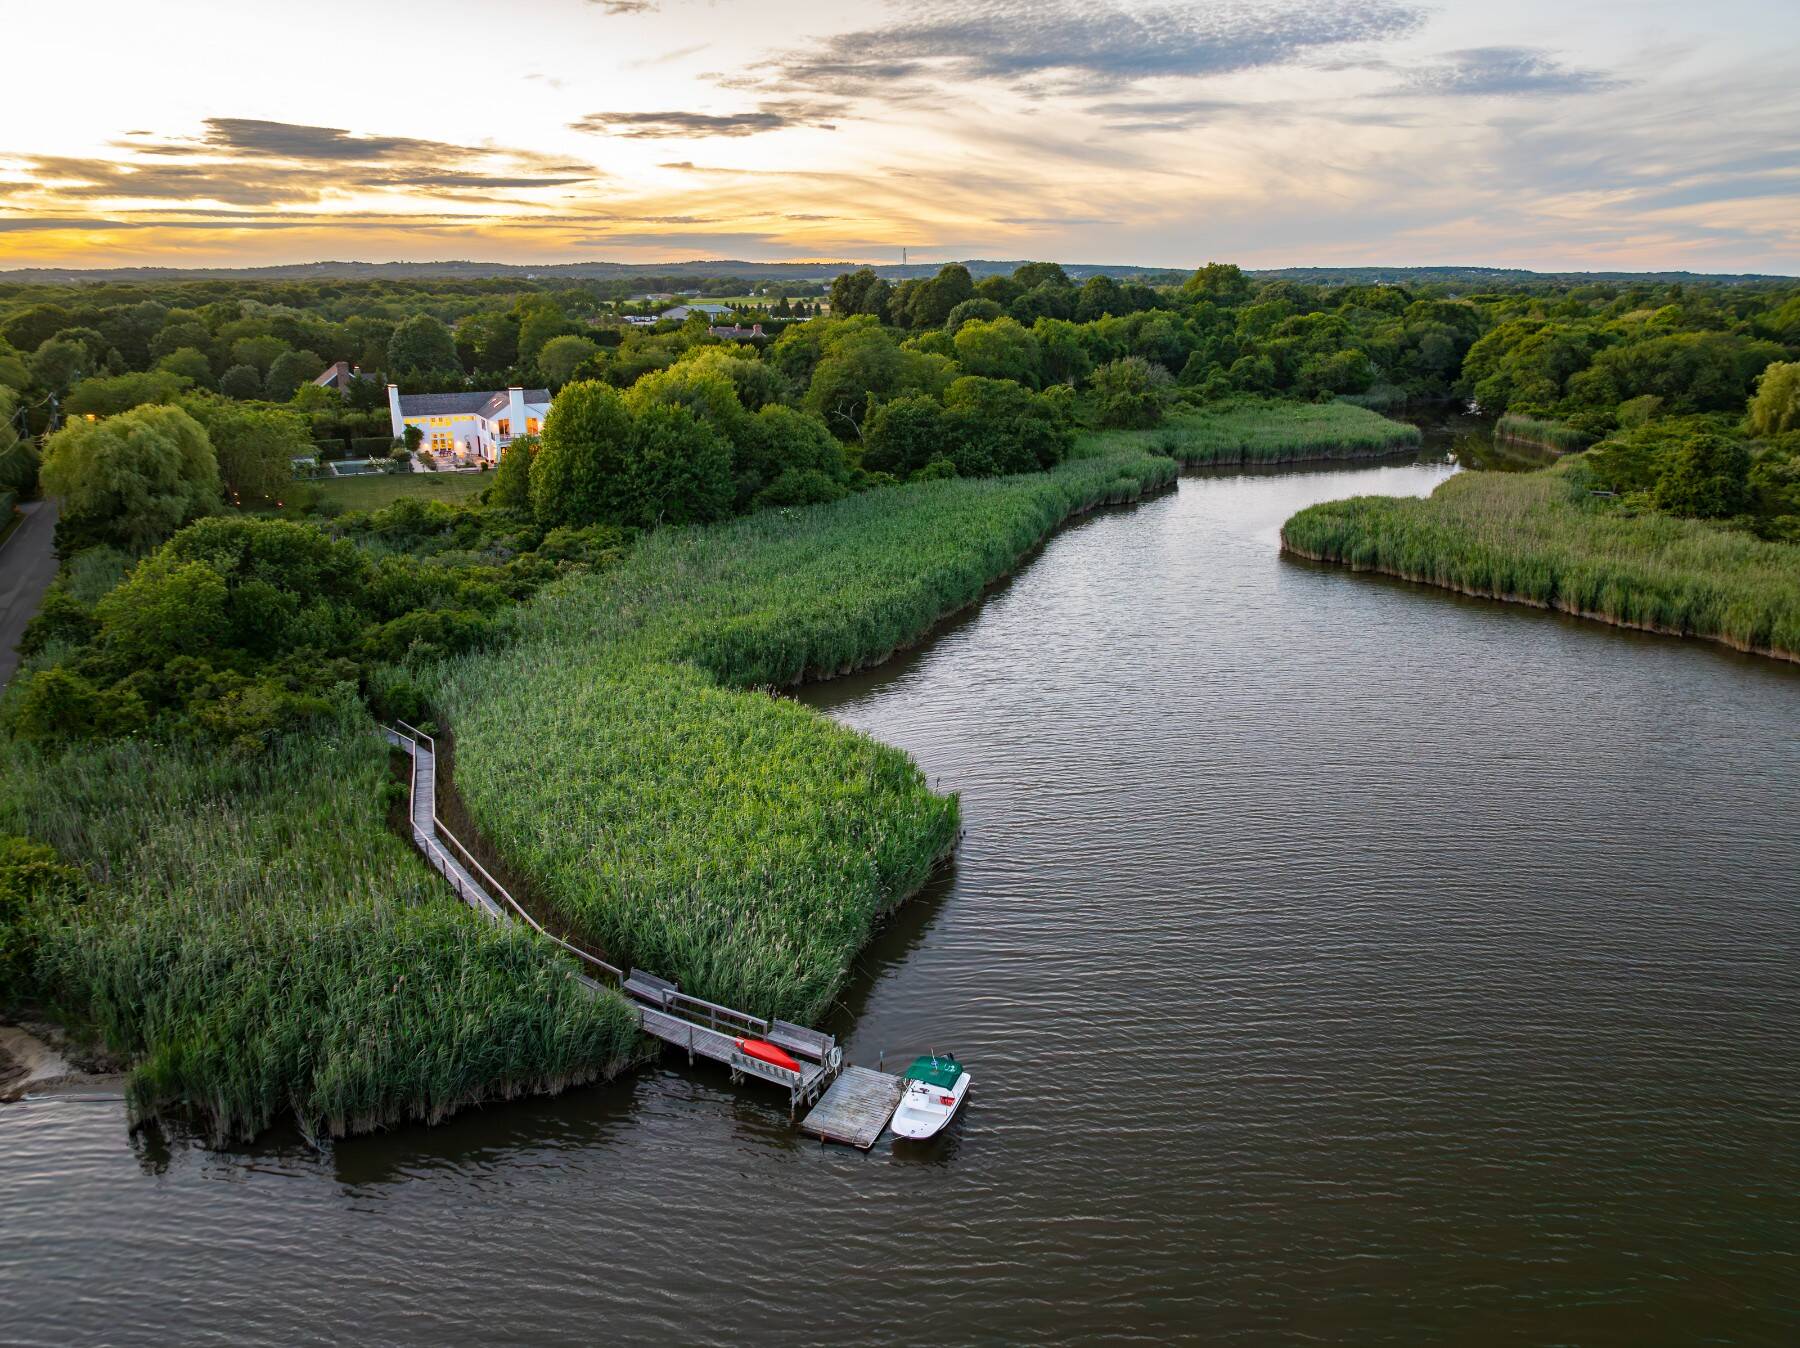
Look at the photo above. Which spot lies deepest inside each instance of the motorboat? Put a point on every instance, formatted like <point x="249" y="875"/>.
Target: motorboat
<point x="934" y="1091"/>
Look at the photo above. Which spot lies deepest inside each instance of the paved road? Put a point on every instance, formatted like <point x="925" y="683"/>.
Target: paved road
<point x="27" y="564"/>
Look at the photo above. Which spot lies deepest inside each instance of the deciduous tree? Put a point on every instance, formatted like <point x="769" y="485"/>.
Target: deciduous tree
<point x="133" y="479"/>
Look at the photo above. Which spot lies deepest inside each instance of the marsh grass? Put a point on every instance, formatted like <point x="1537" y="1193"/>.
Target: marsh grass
<point x="1268" y="432"/>
<point x="1538" y="431"/>
<point x="259" y="945"/>
<point x="1540" y="538"/>
<point x="622" y="753"/>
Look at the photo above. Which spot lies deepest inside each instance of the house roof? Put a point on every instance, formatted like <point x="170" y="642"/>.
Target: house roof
<point x="462" y="404"/>
<point x="682" y="310"/>
<point x="336" y="375"/>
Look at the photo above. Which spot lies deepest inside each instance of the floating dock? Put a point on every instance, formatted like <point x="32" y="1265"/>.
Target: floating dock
<point x="856" y="1109"/>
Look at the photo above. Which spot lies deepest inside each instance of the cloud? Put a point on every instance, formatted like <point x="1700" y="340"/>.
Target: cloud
<point x="1505" y="71"/>
<point x="1092" y="47"/>
<point x="19" y="224"/>
<point x="782" y="115"/>
<point x="666" y="58"/>
<point x="1172" y="114"/>
<point x="251" y="162"/>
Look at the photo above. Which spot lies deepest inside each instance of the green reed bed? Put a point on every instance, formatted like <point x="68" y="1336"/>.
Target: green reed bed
<point x="1540" y="538"/>
<point x="735" y="841"/>
<point x="1270" y="432"/>
<point x="1540" y="432"/>
<point x="258" y="943"/>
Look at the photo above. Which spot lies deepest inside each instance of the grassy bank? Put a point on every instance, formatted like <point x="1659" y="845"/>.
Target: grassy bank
<point x="735" y="841"/>
<point x="1537" y="431"/>
<point x="259" y="944"/>
<point x="1268" y="432"/>
<point x="1538" y="538"/>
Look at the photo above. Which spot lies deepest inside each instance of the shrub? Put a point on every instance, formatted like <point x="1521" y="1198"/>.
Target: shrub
<point x="36" y="891"/>
<point x="1127" y="394"/>
<point x="511" y="489"/>
<point x="1704" y="477"/>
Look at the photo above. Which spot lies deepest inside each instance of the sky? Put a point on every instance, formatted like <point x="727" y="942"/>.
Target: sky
<point x="1549" y="134"/>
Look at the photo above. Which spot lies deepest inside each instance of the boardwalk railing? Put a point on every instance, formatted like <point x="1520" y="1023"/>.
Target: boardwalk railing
<point x="439" y="837"/>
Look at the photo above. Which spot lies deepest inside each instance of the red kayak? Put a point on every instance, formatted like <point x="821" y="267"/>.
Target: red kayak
<point x="756" y="1048"/>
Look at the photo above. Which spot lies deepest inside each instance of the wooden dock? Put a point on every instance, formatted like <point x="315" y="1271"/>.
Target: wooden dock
<point x="704" y="1029"/>
<point x="856" y="1109"/>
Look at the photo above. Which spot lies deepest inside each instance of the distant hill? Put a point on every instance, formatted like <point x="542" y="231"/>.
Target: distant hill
<point x="1500" y="276"/>
<point x="1485" y="277"/>
<point x="434" y="271"/>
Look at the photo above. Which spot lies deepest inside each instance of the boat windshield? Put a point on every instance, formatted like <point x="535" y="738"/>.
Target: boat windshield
<point x="945" y="1072"/>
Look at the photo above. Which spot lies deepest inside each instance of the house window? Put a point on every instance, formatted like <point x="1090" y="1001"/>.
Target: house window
<point x="440" y="441"/>
<point x="503" y="428"/>
<point x="531" y="425"/>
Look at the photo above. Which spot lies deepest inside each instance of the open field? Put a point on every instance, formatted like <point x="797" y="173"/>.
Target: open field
<point x="1538" y="538"/>
<point x="373" y="491"/>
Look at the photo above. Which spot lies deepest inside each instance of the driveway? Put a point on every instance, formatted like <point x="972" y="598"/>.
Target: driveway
<point x="27" y="565"/>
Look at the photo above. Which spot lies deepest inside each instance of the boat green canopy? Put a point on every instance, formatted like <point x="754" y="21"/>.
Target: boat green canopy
<point x="944" y="1071"/>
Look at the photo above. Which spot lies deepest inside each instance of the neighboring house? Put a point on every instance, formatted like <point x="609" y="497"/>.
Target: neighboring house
<point x="737" y="332"/>
<point x="473" y="425"/>
<point x="640" y="321"/>
<point x="680" y="312"/>
<point x="654" y="297"/>
<point x="338" y="377"/>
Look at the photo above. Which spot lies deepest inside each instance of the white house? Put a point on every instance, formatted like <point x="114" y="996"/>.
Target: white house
<point x="469" y="425"/>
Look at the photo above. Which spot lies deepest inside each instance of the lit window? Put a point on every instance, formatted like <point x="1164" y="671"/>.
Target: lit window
<point x="503" y="427"/>
<point x="531" y="425"/>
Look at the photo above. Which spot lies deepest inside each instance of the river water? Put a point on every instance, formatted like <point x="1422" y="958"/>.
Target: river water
<point x="1337" y="960"/>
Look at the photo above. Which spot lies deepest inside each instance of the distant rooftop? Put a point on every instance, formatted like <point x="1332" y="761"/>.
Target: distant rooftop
<point x="462" y="404"/>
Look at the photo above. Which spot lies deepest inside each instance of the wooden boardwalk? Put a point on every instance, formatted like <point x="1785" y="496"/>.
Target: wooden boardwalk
<point x="856" y="1109"/>
<point x="703" y="1029"/>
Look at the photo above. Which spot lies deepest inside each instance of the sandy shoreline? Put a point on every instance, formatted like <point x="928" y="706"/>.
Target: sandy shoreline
<point x="35" y="1059"/>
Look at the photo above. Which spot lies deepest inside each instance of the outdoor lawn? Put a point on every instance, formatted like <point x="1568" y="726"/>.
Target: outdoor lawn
<point x="375" y="490"/>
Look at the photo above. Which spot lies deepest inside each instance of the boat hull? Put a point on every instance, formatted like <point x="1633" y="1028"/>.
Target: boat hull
<point x="922" y="1113"/>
